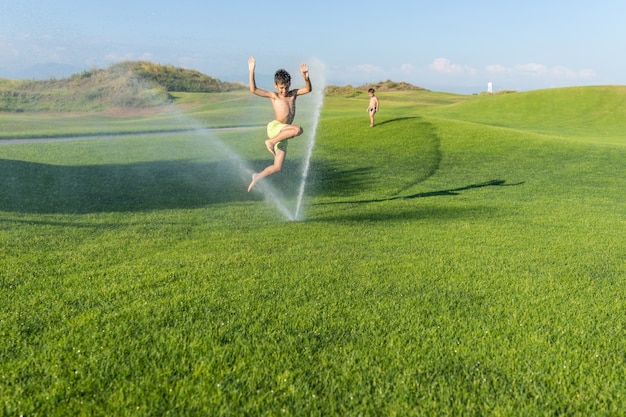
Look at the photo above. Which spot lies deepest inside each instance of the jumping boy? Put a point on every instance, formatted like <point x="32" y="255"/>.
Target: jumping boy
<point x="373" y="106"/>
<point x="284" y="103"/>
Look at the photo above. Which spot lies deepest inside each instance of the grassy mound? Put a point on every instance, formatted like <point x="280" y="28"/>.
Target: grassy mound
<point x="179" y="79"/>
<point x="128" y="84"/>
<point x="580" y="112"/>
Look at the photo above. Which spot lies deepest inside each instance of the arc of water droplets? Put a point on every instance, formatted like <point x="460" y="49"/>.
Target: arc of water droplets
<point x="318" y="93"/>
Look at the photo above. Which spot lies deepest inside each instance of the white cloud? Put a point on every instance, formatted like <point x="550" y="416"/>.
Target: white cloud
<point x="498" y="69"/>
<point x="407" y="68"/>
<point x="367" y="69"/>
<point x="532" y="68"/>
<point x="587" y="73"/>
<point x="444" y="65"/>
<point x="572" y="74"/>
<point x="540" y="70"/>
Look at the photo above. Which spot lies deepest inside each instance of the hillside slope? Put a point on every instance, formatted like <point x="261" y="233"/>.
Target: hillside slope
<point x="579" y="112"/>
<point x="127" y="84"/>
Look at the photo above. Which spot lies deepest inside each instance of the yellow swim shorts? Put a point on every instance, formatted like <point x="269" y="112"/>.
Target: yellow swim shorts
<point x="273" y="129"/>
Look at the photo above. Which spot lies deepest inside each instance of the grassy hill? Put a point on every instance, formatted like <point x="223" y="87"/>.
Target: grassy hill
<point x="175" y="79"/>
<point x="579" y="112"/>
<point x="127" y="84"/>
<point x="463" y="257"/>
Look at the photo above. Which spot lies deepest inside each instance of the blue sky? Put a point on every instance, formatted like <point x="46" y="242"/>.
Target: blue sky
<point x="442" y="45"/>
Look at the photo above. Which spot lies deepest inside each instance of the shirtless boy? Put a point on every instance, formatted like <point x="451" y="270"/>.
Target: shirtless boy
<point x="284" y="103"/>
<point x="373" y="106"/>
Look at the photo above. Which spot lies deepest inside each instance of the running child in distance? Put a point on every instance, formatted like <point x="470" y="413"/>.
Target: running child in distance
<point x="284" y="104"/>
<point x="372" y="109"/>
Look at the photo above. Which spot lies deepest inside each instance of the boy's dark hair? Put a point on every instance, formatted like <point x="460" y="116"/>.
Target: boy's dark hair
<point x="282" y="77"/>
<point x="371" y="90"/>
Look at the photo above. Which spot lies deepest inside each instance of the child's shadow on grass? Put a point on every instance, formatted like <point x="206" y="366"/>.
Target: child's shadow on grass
<point x="397" y="119"/>
<point x="413" y="212"/>
<point x="31" y="187"/>
<point x="448" y="192"/>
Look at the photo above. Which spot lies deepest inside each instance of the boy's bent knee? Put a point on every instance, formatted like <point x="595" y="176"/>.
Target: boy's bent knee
<point x="296" y="130"/>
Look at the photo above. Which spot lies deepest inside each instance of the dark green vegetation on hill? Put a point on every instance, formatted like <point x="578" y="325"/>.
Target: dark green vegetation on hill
<point x="383" y="86"/>
<point x="127" y="84"/>
<point x="466" y="256"/>
<point x="179" y="79"/>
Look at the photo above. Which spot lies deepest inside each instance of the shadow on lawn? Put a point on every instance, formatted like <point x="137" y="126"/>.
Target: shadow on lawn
<point x="394" y="156"/>
<point x="412" y="212"/>
<point x="448" y="192"/>
<point x="31" y="187"/>
<point x="397" y="119"/>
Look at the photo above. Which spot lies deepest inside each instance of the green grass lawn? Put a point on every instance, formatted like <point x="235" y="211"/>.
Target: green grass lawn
<point x="466" y="256"/>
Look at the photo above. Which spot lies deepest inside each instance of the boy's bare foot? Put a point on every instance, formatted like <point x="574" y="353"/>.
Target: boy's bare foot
<point x="270" y="147"/>
<point x="254" y="180"/>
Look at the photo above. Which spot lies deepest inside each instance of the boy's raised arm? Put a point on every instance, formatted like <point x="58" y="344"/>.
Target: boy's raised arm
<point x="253" y="87"/>
<point x="251" y="65"/>
<point x="304" y="69"/>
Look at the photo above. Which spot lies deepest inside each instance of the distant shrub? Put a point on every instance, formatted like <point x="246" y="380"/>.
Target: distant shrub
<point x="346" y="91"/>
<point x="350" y="91"/>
